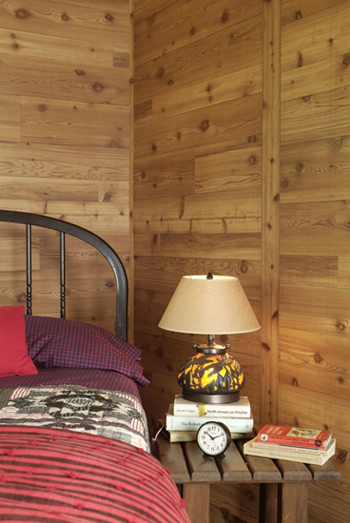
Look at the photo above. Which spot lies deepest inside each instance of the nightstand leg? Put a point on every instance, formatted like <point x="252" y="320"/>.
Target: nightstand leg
<point x="197" y="496"/>
<point x="268" y="503"/>
<point x="294" y="508"/>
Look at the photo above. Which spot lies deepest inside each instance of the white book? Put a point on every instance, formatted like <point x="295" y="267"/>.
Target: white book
<point x="312" y="457"/>
<point x="172" y="422"/>
<point x="236" y="409"/>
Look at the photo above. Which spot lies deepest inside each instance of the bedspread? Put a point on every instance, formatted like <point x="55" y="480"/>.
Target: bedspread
<point x="63" y="477"/>
<point x="106" y="413"/>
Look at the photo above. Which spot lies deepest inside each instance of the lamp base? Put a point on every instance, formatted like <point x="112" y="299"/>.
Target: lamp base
<point x="211" y="398"/>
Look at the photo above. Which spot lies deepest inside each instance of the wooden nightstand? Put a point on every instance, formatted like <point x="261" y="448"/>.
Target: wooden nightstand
<point x="283" y="484"/>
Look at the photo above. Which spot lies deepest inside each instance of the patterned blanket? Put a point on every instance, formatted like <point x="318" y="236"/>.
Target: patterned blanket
<point x="51" y="476"/>
<point x="111" y="414"/>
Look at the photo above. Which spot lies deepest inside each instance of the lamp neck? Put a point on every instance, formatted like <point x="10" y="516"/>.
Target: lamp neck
<point x="211" y="347"/>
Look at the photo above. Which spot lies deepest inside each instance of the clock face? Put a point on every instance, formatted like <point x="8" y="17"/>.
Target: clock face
<point x="213" y="438"/>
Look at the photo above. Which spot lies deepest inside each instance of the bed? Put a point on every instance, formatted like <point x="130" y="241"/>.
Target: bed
<point x="74" y="443"/>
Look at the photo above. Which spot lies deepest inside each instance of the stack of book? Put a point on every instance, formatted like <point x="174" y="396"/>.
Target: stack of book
<point x="292" y="444"/>
<point x="184" y="418"/>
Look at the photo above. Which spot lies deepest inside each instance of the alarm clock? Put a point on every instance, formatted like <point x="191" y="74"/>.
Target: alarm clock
<point x="213" y="439"/>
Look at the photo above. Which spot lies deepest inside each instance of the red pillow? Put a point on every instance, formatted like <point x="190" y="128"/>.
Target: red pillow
<point x="14" y="359"/>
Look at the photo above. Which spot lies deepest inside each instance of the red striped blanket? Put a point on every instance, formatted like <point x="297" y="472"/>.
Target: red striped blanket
<point x="58" y="476"/>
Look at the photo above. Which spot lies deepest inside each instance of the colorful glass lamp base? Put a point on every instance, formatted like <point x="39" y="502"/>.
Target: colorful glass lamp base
<point x="211" y="377"/>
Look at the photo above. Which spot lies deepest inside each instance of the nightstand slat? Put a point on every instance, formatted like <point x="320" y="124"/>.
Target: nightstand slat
<point x="233" y="467"/>
<point x="201" y="469"/>
<point x="172" y="458"/>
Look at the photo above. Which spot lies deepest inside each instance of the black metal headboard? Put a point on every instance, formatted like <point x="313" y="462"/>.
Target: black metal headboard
<point x="64" y="228"/>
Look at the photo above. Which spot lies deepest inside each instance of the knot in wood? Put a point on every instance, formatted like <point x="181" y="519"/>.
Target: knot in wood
<point x="160" y="72"/>
<point x="193" y="31"/>
<point x="342" y="455"/>
<point x="154" y="147"/>
<point x="22" y="14"/>
<point x="243" y="268"/>
<point x="109" y="18"/>
<point x="295" y="382"/>
<point x="160" y="352"/>
<point x="298" y="15"/>
<point x="79" y="72"/>
<point x="204" y="125"/>
<point x="42" y="108"/>
<point x="346" y="59"/>
<point x="65" y="17"/>
<point x="252" y="160"/>
<point x="98" y="87"/>
<point x="21" y="298"/>
<point x="224" y="16"/>
<point x="341" y="326"/>
<point x="318" y="358"/>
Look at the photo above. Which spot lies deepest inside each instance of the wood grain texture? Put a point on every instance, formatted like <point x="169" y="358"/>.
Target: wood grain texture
<point x="270" y="211"/>
<point x="65" y="142"/>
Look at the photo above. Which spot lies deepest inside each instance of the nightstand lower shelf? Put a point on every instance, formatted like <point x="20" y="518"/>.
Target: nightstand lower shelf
<point x="283" y="484"/>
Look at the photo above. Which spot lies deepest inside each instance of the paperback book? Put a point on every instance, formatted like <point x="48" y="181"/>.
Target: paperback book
<point x="192" y="423"/>
<point x="239" y="409"/>
<point x="299" y="437"/>
<point x="177" y="436"/>
<point x="289" y="453"/>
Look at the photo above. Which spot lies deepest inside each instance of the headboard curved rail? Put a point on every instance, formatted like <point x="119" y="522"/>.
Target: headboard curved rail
<point x="98" y="243"/>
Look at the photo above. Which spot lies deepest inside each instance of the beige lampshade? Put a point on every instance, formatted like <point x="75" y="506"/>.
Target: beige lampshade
<point x="201" y="305"/>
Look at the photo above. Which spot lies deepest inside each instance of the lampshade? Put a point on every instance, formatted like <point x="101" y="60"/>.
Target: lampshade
<point x="209" y="305"/>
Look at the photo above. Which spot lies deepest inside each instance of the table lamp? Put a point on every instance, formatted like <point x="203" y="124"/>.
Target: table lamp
<point x="210" y="305"/>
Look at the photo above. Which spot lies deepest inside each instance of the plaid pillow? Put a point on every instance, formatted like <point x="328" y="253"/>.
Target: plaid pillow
<point x="55" y="342"/>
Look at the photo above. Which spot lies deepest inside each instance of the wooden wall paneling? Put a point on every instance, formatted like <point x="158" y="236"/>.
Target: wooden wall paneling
<point x="91" y="83"/>
<point x="296" y="9"/>
<point x="217" y="123"/>
<point x="55" y="18"/>
<point x="217" y="55"/>
<point x="270" y="211"/>
<point x="231" y="86"/>
<point x="314" y="312"/>
<point x="197" y="173"/>
<point x="10" y="119"/>
<point x="164" y="175"/>
<point x="65" y="149"/>
<point x="314" y="361"/>
<point x="318" y="37"/>
<point x="45" y="47"/>
<point x="316" y="171"/>
<point x="171" y="27"/>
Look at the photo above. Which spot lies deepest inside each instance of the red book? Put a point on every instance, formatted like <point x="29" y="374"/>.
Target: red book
<point x="295" y="436"/>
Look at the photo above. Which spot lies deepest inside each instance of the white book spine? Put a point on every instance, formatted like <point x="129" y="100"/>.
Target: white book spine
<point x="244" y="425"/>
<point x="239" y="409"/>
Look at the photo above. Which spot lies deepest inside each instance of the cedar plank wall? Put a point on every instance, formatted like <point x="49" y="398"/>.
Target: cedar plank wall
<point x="241" y="167"/>
<point x="65" y="143"/>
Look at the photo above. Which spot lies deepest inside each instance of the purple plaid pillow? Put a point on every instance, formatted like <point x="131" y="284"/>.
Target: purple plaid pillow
<point x="54" y="342"/>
